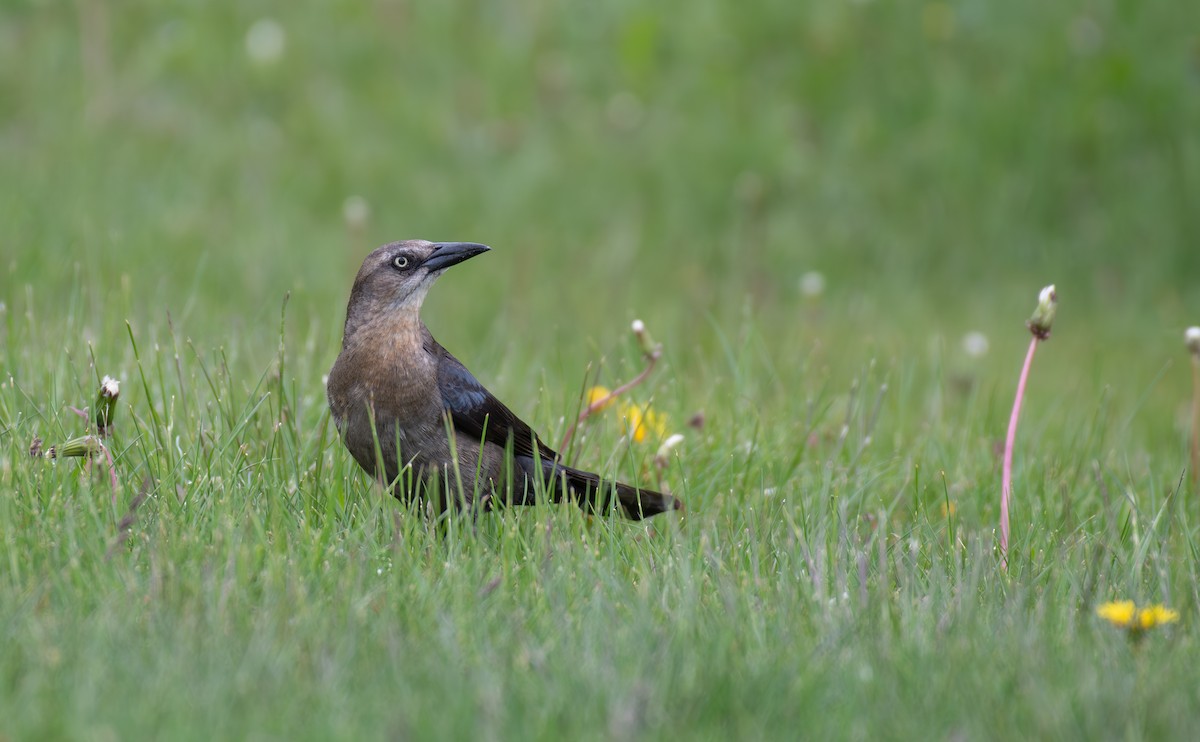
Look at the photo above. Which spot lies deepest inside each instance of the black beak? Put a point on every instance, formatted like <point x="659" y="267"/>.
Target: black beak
<point x="447" y="254"/>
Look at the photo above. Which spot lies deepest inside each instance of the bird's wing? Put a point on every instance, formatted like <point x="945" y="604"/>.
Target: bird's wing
<point x="476" y="412"/>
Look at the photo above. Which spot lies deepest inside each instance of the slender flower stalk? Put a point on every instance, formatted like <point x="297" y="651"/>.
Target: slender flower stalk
<point x="1039" y="326"/>
<point x="1192" y="338"/>
<point x="651" y="351"/>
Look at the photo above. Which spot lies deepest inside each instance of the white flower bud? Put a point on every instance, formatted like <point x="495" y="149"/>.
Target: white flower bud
<point x="265" y="41"/>
<point x="356" y="211"/>
<point x="644" y="340"/>
<point x="665" y="449"/>
<point x="110" y="387"/>
<point x="1192" y="338"/>
<point x="1043" y="317"/>
<point x="975" y="344"/>
<point x="812" y="284"/>
<point x="106" y="404"/>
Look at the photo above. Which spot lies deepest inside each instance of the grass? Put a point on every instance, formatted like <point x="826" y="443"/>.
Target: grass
<point x="837" y="571"/>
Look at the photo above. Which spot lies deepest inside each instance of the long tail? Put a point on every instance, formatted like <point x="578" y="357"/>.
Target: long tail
<point x="595" y="494"/>
<point x="637" y="503"/>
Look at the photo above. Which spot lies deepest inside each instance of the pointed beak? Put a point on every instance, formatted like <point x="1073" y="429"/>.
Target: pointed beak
<point x="447" y="254"/>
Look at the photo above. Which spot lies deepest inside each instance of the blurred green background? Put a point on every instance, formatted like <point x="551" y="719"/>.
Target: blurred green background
<point x="624" y="158"/>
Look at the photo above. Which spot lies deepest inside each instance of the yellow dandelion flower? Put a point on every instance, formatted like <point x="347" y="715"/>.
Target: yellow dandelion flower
<point x="643" y="421"/>
<point x="1156" y="615"/>
<point x="1120" y="613"/>
<point x="633" y="418"/>
<point x="657" y="424"/>
<point x="1125" y="615"/>
<point x="597" y="394"/>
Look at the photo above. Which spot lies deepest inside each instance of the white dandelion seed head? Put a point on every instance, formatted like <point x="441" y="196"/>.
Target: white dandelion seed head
<point x="812" y="284"/>
<point x="356" y="211"/>
<point x="1192" y="338"/>
<point x="975" y="344"/>
<point x="265" y="41"/>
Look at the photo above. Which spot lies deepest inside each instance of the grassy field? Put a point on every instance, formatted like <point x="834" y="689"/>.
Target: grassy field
<point x="189" y="188"/>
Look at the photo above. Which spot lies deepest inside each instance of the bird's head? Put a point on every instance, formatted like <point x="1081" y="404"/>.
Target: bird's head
<point x="394" y="279"/>
<point x="399" y="274"/>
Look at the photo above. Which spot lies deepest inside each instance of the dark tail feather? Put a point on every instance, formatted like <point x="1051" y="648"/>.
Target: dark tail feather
<point x="639" y="503"/>
<point x="595" y="494"/>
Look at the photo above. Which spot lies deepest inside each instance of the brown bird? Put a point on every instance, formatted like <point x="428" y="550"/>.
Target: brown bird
<point x="413" y="416"/>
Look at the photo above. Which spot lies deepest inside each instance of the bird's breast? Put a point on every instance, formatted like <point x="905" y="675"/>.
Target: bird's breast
<point x="388" y="371"/>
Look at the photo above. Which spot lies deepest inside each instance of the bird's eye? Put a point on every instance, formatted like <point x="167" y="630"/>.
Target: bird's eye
<point x="401" y="262"/>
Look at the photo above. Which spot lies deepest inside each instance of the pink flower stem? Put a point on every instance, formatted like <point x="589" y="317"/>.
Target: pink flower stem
<point x="112" y="472"/>
<point x="1006" y="485"/>
<point x="1196" y="424"/>
<point x="651" y="359"/>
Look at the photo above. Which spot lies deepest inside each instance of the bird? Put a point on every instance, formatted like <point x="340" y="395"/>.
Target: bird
<point x="415" y="418"/>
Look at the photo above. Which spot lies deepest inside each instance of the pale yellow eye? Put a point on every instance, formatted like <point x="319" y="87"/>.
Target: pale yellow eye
<point x="401" y="262"/>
